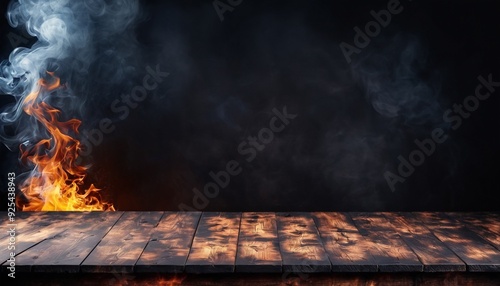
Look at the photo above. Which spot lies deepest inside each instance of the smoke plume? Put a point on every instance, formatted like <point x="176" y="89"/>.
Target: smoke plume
<point x="86" y="44"/>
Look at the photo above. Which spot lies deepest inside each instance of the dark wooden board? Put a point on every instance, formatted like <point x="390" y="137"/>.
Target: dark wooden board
<point x="486" y="226"/>
<point x="477" y="253"/>
<point x="301" y="247"/>
<point x="122" y="246"/>
<point x="258" y="245"/>
<point x="170" y="243"/>
<point x="22" y="220"/>
<point x="396" y="255"/>
<point x="347" y="249"/>
<point x="49" y="225"/>
<point x="65" y="251"/>
<point x="296" y="244"/>
<point x="215" y="243"/>
<point x="433" y="253"/>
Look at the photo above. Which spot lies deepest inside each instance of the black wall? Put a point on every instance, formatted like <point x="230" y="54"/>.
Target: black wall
<point x="353" y="119"/>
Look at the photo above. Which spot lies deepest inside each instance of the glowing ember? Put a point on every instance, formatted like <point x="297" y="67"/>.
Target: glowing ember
<point x="54" y="184"/>
<point x="175" y="281"/>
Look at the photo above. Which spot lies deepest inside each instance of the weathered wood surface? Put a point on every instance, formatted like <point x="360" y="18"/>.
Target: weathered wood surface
<point x="295" y="244"/>
<point x="121" y="248"/>
<point x="258" y="244"/>
<point x="215" y="244"/>
<point x="65" y="251"/>
<point x="301" y="247"/>
<point x="433" y="253"/>
<point x="485" y="225"/>
<point x="477" y="253"/>
<point x="347" y="249"/>
<point x="396" y="255"/>
<point x="170" y="243"/>
<point x="48" y="225"/>
<point x="24" y="219"/>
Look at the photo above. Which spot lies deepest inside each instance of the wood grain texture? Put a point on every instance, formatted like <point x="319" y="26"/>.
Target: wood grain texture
<point x="21" y="220"/>
<point x="170" y="243"/>
<point x="478" y="254"/>
<point x="65" y="251"/>
<point x="47" y="226"/>
<point x="485" y="225"/>
<point x="396" y="255"/>
<point x="122" y="246"/>
<point x="301" y="247"/>
<point x="347" y="249"/>
<point x="295" y="244"/>
<point x="215" y="243"/>
<point x="258" y="245"/>
<point x="433" y="253"/>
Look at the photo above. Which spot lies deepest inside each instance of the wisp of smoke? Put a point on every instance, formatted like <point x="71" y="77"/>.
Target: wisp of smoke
<point x="73" y="39"/>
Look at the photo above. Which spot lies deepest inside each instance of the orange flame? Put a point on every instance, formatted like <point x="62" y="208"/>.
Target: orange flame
<point x="54" y="184"/>
<point x="174" y="281"/>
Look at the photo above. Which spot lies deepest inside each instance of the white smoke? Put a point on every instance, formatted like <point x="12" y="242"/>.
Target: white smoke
<point x="72" y="38"/>
<point x="393" y="84"/>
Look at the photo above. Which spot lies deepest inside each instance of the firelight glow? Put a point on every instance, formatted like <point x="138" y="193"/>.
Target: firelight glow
<point x="54" y="184"/>
<point x="42" y="122"/>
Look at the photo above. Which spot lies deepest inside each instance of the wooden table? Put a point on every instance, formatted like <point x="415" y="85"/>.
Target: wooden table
<point x="253" y="242"/>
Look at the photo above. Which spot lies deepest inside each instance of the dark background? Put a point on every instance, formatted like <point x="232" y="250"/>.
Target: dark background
<point x="226" y="77"/>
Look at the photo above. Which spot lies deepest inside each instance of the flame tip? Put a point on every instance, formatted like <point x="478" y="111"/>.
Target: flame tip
<point x="55" y="180"/>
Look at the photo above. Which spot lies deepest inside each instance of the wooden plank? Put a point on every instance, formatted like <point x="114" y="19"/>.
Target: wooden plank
<point x="65" y="251"/>
<point x="169" y="246"/>
<point x="334" y="222"/>
<point x="396" y="255"/>
<point x="28" y="221"/>
<point x="21" y="220"/>
<point x="157" y="242"/>
<point x="20" y="224"/>
<point x="258" y="245"/>
<point x="478" y="254"/>
<point x="301" y="248"/>
<point x="122" y="246"/>
<point x="215" y="243"/>
<point x="433" y="253"/>
<point x="347" y="249"/>
<point x="49" y="225"/>
<point x="485" y="225"/>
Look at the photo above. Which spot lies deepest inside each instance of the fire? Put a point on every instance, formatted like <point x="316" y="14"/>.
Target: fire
<point x="54" y="184"/>
<point x="174" y="281"/>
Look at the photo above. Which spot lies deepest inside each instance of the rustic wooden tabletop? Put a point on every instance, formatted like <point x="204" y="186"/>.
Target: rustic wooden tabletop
<point x="253" y="242"/>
